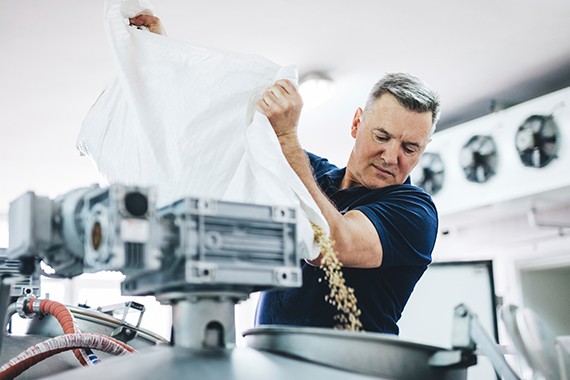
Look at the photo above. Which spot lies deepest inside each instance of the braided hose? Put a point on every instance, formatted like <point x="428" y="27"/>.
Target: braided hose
<point x="65" y="319"/>
<point x="50" y="347"/>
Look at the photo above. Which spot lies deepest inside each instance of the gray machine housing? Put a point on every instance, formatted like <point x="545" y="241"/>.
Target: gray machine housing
<point x="223" y="245"/>
<point x="191" y="244"/>
<point x="86" y="230"/>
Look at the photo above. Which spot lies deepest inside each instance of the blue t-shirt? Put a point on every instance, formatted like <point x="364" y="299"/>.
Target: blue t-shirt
<point x="406" y="221"/>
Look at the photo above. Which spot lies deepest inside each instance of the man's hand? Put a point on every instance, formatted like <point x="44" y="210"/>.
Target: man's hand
<point x="153" y="23"/>
<point x="282" y="105"/>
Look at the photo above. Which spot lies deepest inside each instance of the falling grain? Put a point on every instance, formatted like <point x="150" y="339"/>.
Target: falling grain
<point x="340" y="295"/>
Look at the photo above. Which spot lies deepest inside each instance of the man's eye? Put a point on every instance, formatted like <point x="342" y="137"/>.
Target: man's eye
<point x="382" y="138"/>
<point x="409" y="150"/>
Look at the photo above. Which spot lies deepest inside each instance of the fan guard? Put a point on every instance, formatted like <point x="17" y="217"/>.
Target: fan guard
<point x="537" y="141"/>
<point x="430" y="173"/>
<point x="479" y="158"/>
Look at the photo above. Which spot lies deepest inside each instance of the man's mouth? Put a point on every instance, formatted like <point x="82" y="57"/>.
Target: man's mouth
<point x="382" y="170"/>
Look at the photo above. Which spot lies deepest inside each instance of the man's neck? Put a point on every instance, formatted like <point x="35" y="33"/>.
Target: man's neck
<point x="348" y="181"/>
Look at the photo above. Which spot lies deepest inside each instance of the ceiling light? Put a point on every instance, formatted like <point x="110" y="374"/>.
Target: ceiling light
<point x="315" y="87"/>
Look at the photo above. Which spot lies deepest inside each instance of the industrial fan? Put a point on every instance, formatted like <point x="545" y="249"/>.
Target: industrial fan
<point x="537" y="141"/>
<point x="429" y="174"/>
<point x="479" y="158"/>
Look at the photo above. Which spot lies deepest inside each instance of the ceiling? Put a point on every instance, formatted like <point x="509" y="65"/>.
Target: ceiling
<point x="56" y="61"/>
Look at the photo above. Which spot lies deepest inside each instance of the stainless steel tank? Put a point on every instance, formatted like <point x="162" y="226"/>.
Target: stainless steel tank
<point x="378" y="355"/>
<point x="175" y="362"/>
<point x="93" y="321"/>
<point x="282" y="353"/>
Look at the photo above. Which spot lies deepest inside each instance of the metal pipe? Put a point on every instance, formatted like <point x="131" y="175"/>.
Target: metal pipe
<point x="9" y="314"/>
<point x="205" y="320"/>
<point x="4" y="301"/>
<point x="491" y="350"/>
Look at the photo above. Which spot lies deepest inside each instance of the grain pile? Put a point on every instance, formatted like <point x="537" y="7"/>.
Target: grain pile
<point x="340" y="295"/>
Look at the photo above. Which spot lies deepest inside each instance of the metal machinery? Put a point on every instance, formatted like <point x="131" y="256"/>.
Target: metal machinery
<point x="202" y="257"/>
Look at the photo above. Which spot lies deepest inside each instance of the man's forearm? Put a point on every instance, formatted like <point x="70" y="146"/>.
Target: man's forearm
<point x="299" y="162"/>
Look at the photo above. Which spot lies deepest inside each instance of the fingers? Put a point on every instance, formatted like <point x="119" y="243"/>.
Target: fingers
<point x="281" y="104"/>
<point x="282" y="93"/>
<point x="273" y="100"/>
<point x="262" y="106"/>
<point x="288" y="86"/>
<point x="266" y="105"/>
<point x="143" y="20"/>
<point x="153" y="23"/>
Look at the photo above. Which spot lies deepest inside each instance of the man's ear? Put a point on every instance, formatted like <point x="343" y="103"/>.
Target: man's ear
<point x="356" y="120"/>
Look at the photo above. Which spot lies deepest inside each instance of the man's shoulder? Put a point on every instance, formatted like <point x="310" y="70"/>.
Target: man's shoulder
<point x="396" y="204"/>
<point x="406" y="220"/>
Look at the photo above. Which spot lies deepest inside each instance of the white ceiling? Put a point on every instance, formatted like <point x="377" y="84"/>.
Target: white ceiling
<point x="56" y="61"/>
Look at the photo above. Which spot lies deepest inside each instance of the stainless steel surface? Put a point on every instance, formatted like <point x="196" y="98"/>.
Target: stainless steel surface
<point x="468" y="334"/>
<point x="207" y="321"/>
<point x="167" y="362"/>
<point x="379" y="355"/>
<point x="491" y="349"/>
<point x="89" y="320"/>
<point x="533" y="339"/>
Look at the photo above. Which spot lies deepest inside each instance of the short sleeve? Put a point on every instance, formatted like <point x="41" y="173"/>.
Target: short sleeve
<point x="320" y="165"/>
<point x="406" y="221"/>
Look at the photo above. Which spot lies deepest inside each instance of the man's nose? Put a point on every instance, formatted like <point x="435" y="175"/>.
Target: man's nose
<point x="390" y="154"/>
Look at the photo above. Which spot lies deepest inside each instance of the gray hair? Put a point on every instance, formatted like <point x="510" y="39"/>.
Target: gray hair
<point x="411" y="92"/>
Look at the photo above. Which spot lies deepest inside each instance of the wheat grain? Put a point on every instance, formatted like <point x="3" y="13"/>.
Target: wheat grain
<point x="340" y="295"/>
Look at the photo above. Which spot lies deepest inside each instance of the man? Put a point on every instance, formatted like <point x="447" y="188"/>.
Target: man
<point x="383" y="228"/>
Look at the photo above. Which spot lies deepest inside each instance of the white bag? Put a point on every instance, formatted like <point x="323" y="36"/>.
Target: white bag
<point x="182" y="118"/>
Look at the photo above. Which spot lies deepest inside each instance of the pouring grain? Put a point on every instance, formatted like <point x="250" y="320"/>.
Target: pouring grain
<point x="340" y="295"/>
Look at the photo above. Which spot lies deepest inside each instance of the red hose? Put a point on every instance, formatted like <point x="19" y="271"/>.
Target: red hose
<point x="63" y="316"/>
<point x="50" y="347"/>
<point x="65" y="319"/>
<point x="60" y="312"/>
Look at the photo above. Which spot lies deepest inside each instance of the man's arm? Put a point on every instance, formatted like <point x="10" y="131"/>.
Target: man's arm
<point x="356" y="240"/>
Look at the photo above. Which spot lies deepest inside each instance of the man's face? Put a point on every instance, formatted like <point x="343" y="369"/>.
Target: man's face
<point x="389" y="143"/>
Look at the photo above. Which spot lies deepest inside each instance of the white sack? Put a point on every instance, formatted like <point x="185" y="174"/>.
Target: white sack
<point x="182" y="118"/>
